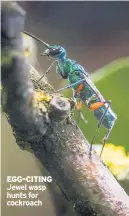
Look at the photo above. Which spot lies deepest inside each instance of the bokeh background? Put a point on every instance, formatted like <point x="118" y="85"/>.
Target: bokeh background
<point x="96" y="35"/>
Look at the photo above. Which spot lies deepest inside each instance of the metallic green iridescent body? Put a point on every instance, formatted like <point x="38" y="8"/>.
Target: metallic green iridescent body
<point x="74" y="72"/>
<point x="70" y="67"/>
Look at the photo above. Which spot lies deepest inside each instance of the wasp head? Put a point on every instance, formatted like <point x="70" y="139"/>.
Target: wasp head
<point x="57" y="52"/>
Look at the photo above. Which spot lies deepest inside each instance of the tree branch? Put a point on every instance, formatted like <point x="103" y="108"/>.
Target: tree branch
<point x="56" y="142"/>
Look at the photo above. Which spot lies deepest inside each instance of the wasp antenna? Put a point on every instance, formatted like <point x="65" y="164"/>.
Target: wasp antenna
<point x="34" y="37"/>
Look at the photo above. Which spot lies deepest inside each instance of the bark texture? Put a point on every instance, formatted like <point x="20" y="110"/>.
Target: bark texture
<point x="44" y="129"/>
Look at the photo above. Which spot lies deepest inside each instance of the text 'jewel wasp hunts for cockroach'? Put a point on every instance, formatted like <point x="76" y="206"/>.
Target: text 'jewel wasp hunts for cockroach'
<point x="84" y="91"/>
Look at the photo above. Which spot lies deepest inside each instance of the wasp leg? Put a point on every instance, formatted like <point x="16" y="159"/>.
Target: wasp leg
<point x="80" y="115"/>
<point x="99" y="124"/>
<point x="79" y="88"/>
<point x="91" y="98"/>
<point x="106" y="137"/>
<point x="75" y="94"/>
<point x="79" y="106"/>
<point x="70" y="86"/>
<point x="47" y="71"/>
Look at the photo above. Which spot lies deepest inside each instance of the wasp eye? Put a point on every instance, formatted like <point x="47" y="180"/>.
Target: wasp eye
<point x="54" y="51"/>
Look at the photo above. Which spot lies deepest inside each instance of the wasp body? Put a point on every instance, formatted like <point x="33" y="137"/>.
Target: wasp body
<point x="84" y="91"/>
